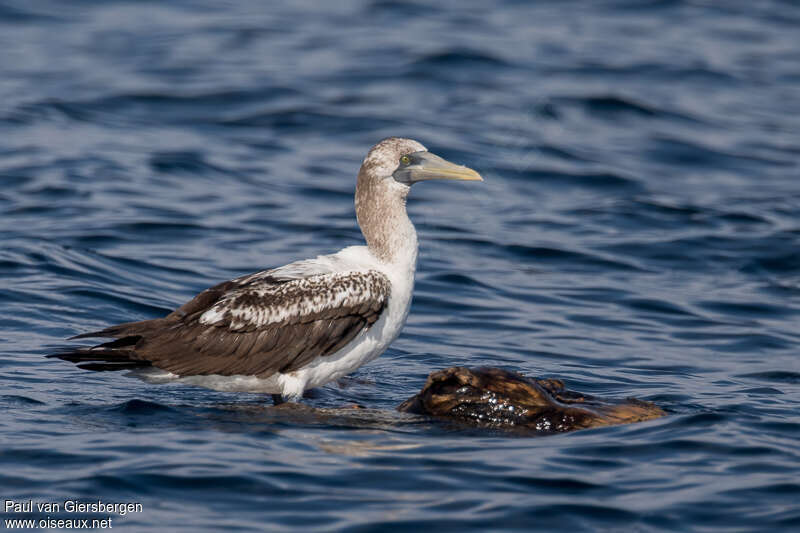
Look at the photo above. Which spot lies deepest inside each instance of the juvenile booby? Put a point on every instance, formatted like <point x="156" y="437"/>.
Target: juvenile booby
<point x="285" y="330"/>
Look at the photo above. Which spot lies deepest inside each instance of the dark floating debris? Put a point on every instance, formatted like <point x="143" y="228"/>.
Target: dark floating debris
<point x="499" y="399"/>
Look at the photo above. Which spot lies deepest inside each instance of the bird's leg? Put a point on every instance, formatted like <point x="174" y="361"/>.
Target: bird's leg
<point x="277" y="399"/>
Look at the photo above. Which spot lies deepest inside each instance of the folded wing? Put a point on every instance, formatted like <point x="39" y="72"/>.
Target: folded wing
<point x="268" y="322"/>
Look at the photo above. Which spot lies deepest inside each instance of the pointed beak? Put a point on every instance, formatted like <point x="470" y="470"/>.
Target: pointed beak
<point x="423" y="166"/>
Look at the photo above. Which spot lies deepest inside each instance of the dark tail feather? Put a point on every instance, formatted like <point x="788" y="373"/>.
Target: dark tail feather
<point x="122" y="330"/>
<point x="113" y="367"/>
<point x="114" y="355"/>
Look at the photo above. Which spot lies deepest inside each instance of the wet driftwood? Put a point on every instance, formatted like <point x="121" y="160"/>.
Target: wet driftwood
<point x="496" y="398"/>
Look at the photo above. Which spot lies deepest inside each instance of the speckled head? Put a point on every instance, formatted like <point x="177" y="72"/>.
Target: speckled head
<point x="384" y="158"/>
<point x="408" y="162"/>
<point x="386" y="175"/>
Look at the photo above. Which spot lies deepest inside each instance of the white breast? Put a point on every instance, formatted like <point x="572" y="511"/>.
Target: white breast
<point x="371" y="343"/>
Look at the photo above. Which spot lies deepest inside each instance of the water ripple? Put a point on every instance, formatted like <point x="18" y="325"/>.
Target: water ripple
<point x="636" y="235"/>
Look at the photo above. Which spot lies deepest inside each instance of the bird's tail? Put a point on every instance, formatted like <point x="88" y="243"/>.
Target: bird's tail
<point x="114" y="355"/>
<point x="124" y="330"/>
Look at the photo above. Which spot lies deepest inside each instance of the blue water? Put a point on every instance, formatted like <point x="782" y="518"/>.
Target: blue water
<point x="638" y="234"/>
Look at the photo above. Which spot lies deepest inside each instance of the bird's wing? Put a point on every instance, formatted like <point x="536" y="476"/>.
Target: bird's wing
<point x="297" y="270"/>
<point x="259" y="325"/>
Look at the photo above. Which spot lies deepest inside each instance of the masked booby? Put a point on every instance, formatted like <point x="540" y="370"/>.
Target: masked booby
<point x="285" y="330"/>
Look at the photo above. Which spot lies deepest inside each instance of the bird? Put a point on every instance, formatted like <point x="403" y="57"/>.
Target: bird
<point x="289" y="329"/>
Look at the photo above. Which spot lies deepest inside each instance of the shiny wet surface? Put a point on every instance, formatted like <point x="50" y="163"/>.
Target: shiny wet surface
<point x="494" y="398"/>
<point x="637" y="235"/>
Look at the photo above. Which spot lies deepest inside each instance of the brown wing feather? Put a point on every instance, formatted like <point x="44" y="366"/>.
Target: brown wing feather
<point x="251" y="333"/>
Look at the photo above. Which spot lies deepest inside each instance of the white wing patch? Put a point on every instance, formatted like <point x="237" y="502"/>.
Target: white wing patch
<point x="352" y="258"/>
<point x="262" y="303"/>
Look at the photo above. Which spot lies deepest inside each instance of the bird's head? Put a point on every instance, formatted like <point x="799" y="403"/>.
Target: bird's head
<point x="406" y="161"/>
<point x="386" y="176"/>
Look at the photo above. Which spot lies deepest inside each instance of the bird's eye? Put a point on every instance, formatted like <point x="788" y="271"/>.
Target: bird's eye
<point x="405" y="160"/>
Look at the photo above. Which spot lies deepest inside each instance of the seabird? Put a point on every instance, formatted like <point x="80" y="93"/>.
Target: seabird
<point x="289" y="329"/>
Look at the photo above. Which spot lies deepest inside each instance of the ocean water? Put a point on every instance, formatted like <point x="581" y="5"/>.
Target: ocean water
<point x="638" y="234"/>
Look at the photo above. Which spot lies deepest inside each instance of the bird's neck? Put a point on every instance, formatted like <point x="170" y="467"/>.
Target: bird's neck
<point x="381" y="214"/>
